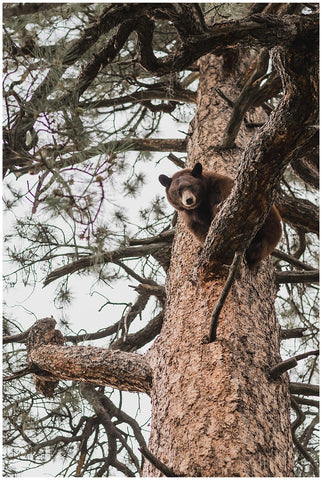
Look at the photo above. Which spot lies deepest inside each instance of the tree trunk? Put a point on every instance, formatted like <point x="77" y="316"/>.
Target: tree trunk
<point x="216" y="412"/>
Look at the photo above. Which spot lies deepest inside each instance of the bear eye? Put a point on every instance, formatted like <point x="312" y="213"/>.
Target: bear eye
<point x="180" y="191"/>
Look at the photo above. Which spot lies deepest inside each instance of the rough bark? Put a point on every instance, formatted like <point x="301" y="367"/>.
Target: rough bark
<point x="218" y="398"/>
<point x="99" y="366"/>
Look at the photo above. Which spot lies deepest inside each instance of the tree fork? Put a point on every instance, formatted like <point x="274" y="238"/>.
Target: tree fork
<point x="264" y="161"/>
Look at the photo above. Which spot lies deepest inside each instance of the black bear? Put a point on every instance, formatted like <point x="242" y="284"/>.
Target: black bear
<point x="197" y="194"/>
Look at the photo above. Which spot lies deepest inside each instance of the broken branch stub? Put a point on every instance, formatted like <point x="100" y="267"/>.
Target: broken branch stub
<point x="99" y="366"/>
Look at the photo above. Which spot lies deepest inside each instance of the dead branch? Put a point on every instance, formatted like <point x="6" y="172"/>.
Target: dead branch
<point x="307" y="401"/>
<point x="233" y="271"/>
<point x="122" y="370"/>
<point x="297" y="277"/>
<point x="168" y="472"/>
<point x="282" y="367"/>
<point x="306" y="389"/>
<point x="292" y="333"/>
<point x="298" y="212"/>
<point x="291" y="259"/>
<point x="245" y="99"/>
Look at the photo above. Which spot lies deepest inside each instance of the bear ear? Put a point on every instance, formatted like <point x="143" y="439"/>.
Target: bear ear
<point x="197" y="170"/>
<point x="165" y="181"/>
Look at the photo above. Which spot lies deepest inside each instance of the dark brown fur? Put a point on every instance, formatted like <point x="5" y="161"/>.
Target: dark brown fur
<point x="197" y="195"/>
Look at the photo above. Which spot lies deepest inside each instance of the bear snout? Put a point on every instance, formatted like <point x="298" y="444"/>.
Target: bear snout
<point x="188" y="199"/>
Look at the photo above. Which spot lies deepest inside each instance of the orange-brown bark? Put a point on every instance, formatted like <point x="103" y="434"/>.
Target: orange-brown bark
<point x="216" y="410"/>
<point x="52" y="361"/>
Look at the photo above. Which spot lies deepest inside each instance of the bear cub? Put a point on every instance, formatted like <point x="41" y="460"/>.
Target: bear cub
<point x="197" y="194"/>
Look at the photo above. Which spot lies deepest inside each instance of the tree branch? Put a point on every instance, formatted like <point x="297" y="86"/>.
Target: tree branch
<point x="306" y="389"/>
<point x="131" y="314"/>
<point x="137" y="340"/>
<point x="291" y="260"/>
<point x="104" y="258"/>
<point x="108" y="148"/>
<point x="257" y="30"/>
<point x="307" y="401"/>
<point x="245" y="99"/>
<point x="28" y="8"/>
<point x="18" y="337"/>
<point x="173" y="94"/>
<point x="282" y="367"/>
<point x="105" y="55"/>
<point x="297" y="277"/>
<point x="122" y="370"/>
<point x="233" y="270"/>
<point x="298" y="212"/>
<point x="20" y="373"/>
<point x="105" y="409"/>
<point x="168" y="472"/>
<point x="167" y="235"/>
<point x="292" y="333"/>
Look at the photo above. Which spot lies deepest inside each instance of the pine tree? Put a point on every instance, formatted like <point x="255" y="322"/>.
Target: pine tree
<point x="86" y="86"/>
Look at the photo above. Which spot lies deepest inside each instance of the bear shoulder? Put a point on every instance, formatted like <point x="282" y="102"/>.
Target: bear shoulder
<point x="218" y="186"/>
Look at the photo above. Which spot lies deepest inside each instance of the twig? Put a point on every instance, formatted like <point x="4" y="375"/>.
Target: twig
<point x="224" y="97"/>
<point x="282" y="367"/>
<point x="168" y="472"/>
<point x="21" y="373"/>
<point x="165" y="236"/>
<point x="18" y="337"/>
<point x="221" y="300"/>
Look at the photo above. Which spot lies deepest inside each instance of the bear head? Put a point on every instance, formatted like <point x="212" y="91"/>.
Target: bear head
<point x="185" y="189"/>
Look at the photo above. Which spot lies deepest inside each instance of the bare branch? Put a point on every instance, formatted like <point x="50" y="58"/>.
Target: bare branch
<point x="137" y="340"/>
<point x="95" y="260"/>
<point x="122" y="370"/>
<point x="291" y="259"/>
<point x="292" y="333"/>
<point x="297" y="277"/>
<point x="168" y="472"/>
<point x="167" y="235"/>
<point x="20" y="373"/>
<point x="282" y="367"/>
<point x="245" y="99"/>
<point x="307" y="401"/>
<point x="134" y="310"/>
<point x="233" y="271"/>
<point x="18" y="337"/>
<point x="306" y="389"/>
